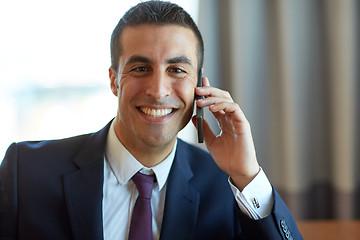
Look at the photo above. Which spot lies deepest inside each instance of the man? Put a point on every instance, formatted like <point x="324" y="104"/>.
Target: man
<point x="84" y="187"/>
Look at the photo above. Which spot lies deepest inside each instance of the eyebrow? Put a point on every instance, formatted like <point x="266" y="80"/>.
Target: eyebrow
<point x="142" y="59"/>
<point x="180" y="59"/>
<point x="138" y="58"/>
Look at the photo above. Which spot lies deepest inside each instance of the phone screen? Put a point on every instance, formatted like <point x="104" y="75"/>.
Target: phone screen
<point x="199" y="112"/>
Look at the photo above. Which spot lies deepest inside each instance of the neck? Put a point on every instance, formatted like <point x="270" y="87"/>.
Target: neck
<point x="151" y="158"/>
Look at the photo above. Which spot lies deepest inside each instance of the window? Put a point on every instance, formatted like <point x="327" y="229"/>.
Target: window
<point x="54" y="60"/>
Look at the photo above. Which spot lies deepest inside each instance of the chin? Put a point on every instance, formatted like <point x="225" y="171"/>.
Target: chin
<point x="159" y="140"/>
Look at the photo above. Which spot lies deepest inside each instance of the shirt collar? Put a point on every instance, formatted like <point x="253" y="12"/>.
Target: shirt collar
<point x="124" y="165"/>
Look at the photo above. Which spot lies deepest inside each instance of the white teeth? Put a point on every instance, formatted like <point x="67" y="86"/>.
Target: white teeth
<point x="156" y="112"/>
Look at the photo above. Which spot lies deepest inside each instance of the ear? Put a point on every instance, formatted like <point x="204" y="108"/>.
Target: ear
<point x="113" y="82"/>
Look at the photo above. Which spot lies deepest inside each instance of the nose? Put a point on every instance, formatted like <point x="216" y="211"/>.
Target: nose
<point x="159" y="85"/>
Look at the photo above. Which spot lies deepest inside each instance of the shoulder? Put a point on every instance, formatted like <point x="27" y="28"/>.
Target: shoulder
<point x="53" y="147"/>
<point x="66" y="147"/>
<point x="39" y="157"/>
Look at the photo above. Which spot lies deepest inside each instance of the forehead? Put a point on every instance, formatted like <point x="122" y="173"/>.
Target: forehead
<point x="158" y="41"/>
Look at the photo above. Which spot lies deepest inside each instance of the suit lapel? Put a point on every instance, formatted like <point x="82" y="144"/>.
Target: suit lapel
<point x="182" y="200"/>
<point x="84" y="192"/>
<point x="84" y="188"/>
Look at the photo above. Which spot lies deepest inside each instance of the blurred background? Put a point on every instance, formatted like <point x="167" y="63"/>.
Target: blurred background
<point x="292" y="65"/>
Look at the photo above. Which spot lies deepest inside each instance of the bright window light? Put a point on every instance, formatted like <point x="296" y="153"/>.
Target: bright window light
<point x="54" y="60"/>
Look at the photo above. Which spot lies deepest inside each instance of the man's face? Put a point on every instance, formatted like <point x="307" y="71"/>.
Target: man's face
<point x="154" y="84"/>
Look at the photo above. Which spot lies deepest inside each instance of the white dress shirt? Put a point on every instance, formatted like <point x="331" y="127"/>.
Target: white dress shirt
<point x="120" y="193"/>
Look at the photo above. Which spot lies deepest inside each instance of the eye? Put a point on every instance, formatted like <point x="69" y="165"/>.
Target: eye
<point x="177" y="70"/>
<point x="140" y="69"/>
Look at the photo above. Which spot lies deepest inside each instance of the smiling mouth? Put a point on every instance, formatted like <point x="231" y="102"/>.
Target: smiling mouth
<point x="156" y="112"/>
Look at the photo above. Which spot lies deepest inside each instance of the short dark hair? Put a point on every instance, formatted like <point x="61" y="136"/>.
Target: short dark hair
<point x="154" y="12"/>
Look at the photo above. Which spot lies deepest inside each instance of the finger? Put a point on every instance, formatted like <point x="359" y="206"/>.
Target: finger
<point x="223" y="106"/>
<point x="227" y="107"/>
<point x="230" y="117"/>
<point x="205" y="82"/>
<point x="231" y="111"/>
<point x="209" y="91"/>
<point x="208" y="101"/>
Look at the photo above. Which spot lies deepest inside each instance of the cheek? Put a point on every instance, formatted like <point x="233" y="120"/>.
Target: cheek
<point x="127" y="89"/>
<point x="186" y="91"/>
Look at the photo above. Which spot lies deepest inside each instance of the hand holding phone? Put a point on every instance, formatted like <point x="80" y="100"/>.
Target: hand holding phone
<point x="199" y="112"/>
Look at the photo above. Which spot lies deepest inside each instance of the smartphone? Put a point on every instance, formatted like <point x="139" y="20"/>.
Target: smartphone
<point x="200" y="112"/>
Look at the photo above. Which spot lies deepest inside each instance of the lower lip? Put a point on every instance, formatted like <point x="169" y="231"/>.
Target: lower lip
<point x="152" y="119"/>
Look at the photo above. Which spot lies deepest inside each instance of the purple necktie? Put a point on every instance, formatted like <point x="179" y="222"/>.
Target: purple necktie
<point x="141" y="221"/>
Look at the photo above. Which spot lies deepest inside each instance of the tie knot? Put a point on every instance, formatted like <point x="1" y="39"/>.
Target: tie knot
<point x="144" y="184"/>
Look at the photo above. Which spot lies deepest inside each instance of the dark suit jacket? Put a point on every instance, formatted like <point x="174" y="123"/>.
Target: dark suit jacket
<point x="53" y="190"/>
